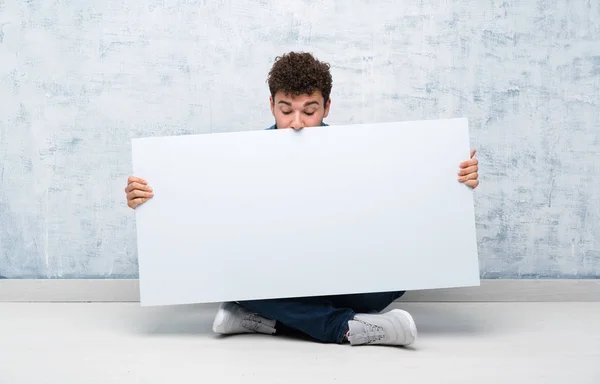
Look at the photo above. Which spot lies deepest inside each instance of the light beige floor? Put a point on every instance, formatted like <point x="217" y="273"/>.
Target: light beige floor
<point x="458" y="343"/>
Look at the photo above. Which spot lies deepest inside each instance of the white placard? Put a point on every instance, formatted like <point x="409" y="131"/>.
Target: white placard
<point x="321" y="211"/>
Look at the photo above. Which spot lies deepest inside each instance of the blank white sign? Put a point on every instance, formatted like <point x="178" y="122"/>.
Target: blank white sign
<point x="321" y="211"/>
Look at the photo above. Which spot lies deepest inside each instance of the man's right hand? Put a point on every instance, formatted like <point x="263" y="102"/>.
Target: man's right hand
<point x="137" y="191"/>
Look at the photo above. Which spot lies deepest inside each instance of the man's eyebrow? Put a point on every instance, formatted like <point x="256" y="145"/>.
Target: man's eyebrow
<point x="313" y="102"/>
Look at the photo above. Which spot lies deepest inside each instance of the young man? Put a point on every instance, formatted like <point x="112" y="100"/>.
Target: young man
<point x="300" y="87"/>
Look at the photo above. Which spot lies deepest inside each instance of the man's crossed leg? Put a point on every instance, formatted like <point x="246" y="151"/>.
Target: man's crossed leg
<point x="330" y="319"/>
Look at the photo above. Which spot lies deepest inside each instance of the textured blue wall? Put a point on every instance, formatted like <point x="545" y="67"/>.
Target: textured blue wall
<point x="79" y="79"/>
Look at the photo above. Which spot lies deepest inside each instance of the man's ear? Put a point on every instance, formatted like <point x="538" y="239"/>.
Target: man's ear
<point x="327" y="105"/>
<point x="272" y="104"/>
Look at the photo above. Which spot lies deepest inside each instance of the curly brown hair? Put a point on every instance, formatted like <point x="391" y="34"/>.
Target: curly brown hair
<point x="299" y="73"/>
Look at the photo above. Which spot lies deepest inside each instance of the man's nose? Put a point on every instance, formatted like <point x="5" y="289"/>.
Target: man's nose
<point x="297" y="123"/>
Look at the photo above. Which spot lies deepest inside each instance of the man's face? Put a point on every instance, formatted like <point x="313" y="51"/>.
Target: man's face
<point x="300" y="111"/>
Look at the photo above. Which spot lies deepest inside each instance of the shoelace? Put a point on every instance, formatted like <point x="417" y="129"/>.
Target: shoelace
<point x="251" y="322"/>
<point x="373" y="332"/>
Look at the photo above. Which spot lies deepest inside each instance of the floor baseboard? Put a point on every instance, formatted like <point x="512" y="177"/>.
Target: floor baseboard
<point x="127" y="290"/>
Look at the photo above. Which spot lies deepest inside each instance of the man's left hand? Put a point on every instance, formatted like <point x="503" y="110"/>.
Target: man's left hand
<point x="468" y="171"/>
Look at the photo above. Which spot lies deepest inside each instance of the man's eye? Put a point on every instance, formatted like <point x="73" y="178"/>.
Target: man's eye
<point x="286" y="112"/>
<point x="309" y="113"/>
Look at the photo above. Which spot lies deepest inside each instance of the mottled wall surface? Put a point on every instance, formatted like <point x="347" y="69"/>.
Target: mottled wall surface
<point x="79" y="79"/>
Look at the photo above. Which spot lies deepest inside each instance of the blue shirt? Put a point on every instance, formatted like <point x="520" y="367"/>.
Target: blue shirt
<point x="274" y="126"/>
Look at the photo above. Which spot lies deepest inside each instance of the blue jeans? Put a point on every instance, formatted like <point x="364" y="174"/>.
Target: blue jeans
<point x="324" y="318"/>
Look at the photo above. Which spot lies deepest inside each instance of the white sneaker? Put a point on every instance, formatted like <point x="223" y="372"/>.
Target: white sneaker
<point x="232" y="318"/>
<point x="395" y="327"/>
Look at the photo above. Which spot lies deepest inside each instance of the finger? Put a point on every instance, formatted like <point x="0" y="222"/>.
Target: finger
<point x="136" y="202"/>
<point x="472" y="183"/>
<point x="470" y="176"/>
<point x="135" y="179"/>
<point x="137" y="193"/>
<point x="466" y="171"/>
<point x="469" y="163"/>
<point x="473" y="152"/>
<point x="135" y="185"/>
